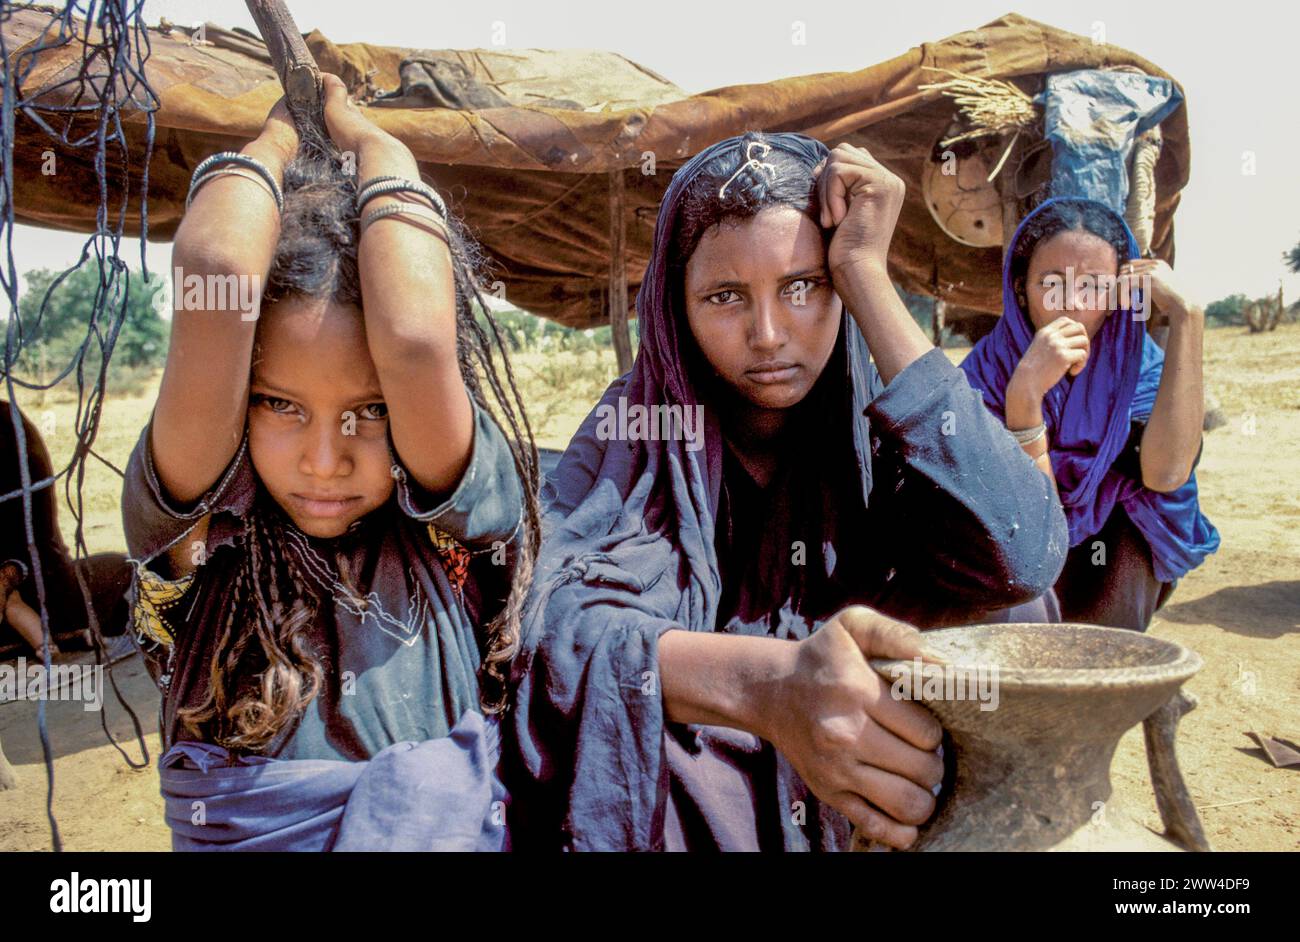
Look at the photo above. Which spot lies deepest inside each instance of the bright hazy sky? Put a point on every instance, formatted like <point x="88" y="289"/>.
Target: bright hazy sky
<point x="1236" y="64"/>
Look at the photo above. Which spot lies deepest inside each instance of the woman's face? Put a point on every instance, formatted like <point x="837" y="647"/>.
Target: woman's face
<point x="761" y="307"/>
<point x="1072" y="273"/>
<point x="317" y="424"/>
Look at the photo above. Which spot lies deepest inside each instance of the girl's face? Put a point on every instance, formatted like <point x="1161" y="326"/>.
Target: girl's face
<point x="1071" y="273"/>
<point x="760" y="304"/>
<point x="317" y="424"/>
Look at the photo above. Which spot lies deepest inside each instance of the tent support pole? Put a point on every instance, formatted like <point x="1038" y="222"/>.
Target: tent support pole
<point x="617" y="295"/>
<point x="1005" y="182"/>
<point x="1010" y="219"/>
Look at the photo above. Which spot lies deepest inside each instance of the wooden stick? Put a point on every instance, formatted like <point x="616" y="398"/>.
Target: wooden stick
<point x="7" y="778"/>
<point x="1006" y="187"/>
<point x="293" y="61"/>
<point x="618" y="274"/>
<point x="1228" y="804"/>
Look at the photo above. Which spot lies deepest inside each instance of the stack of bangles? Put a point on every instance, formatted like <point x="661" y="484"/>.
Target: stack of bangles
<point x="229" y="163"/>
<point x="1026" y="437"/>
<point x="250" y="168"/>
<point x="435" y="220"/>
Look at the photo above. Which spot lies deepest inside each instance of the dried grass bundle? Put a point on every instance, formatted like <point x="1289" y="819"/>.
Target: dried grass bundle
<point x="989" y="106"/>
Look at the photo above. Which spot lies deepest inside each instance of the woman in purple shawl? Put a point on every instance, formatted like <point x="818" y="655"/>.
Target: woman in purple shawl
<point x="1073" y="373"/>
<point x="742" y="518"/>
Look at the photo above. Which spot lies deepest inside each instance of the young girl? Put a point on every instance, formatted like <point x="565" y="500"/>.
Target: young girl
<point x="694" y="671"/>
<point x="1088" y="392"/>
<point x="331" y="534"/>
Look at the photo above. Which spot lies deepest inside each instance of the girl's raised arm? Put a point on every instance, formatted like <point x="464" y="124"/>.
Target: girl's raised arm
<point x="410" y="309"/>
<point x="220" y="258"/>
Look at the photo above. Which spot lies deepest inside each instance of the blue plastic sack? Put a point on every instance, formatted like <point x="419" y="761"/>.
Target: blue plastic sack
<point x="1092" y="118"/>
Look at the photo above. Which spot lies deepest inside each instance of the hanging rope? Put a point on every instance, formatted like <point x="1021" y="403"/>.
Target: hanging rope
<point x="82" y="112"/>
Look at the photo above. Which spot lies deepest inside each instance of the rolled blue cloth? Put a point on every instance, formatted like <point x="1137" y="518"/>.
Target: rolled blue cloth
<point x="441" y="794"/>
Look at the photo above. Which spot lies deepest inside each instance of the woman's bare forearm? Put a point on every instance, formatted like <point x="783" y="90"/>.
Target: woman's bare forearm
<point x="223" y="248"/>
<point x="1024" y="410"/>
<point x="722" y="680"/>
<point x="1173" y="434"/>
<point x="410" y="315"/>
<point x="893" y="336"/>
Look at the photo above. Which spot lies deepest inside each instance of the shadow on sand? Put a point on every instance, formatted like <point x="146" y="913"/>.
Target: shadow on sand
<point x="73" y="729"/>
<point x="1265" y="610"/>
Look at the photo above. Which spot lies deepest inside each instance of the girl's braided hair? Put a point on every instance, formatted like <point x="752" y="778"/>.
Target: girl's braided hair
<point x="257" y="690"/>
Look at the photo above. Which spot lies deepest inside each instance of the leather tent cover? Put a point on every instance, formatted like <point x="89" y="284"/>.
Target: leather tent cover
<point x="525" y="151"/>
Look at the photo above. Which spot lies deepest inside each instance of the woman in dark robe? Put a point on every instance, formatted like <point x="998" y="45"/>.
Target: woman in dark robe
<point x="711" y="579"/>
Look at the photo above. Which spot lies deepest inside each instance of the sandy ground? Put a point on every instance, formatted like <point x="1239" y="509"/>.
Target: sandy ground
<point x="1240" y="611"/>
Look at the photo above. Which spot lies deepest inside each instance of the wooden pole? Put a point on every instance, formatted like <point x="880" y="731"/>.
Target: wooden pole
<point x="1006" y="185"/>
<point x="7" y="778"/>
<point x="617" y="294"/>
<point x="1010" y="212"/>
<point x="292" y="59"/>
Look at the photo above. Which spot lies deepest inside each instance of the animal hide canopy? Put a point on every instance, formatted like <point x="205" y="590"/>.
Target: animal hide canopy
<point x="523" y="142"/>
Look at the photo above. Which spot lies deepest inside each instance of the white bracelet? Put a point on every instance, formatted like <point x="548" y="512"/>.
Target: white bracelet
<point x="435" y="223"/>
<point x="1027" y="436"/>
<point x="229" y="171"/>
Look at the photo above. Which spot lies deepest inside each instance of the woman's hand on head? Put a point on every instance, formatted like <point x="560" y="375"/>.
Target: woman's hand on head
<point x="1059" y="348"/>
<point x="864" y="753"/>
<point x="860" y="199"/>
<point x="1154" y="275"/>
<point x="348" y="127"/>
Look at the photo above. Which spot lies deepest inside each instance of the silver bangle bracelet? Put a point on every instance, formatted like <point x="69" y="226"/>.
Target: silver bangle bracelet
<point x="383" y="186"/>
<point x="230" y="157"/>
<point x="226" y="172"/>
<point x="418" y="210"/>
<point x="1027" y="436"/>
